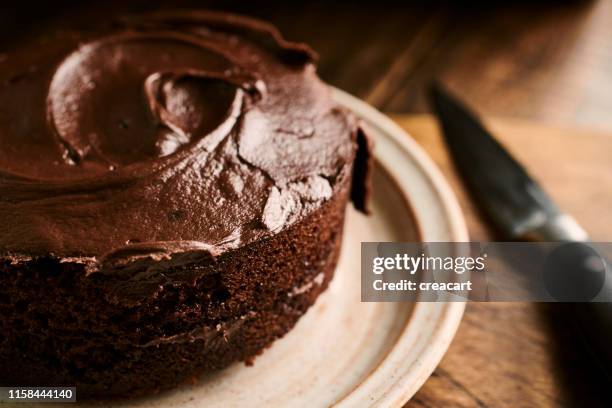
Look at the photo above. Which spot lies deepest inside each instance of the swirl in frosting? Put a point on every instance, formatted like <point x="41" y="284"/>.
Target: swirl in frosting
<point x="170" y="133"/>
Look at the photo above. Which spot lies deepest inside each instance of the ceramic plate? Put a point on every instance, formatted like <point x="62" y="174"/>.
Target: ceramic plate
<point x="344" y="352"/>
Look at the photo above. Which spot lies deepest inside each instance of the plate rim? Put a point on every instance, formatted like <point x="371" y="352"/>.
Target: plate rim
<point x="377" y="388"/>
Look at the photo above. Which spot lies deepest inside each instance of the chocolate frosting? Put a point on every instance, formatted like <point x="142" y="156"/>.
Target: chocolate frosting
<point x="173" y="136"/>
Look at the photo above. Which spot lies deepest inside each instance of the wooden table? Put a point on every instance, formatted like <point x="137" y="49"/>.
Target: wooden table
<point x="549" y="61"/>
<point x="512" y="354"/>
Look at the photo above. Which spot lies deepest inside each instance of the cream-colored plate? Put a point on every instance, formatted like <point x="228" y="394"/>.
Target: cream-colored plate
<point x="344" y="352"/>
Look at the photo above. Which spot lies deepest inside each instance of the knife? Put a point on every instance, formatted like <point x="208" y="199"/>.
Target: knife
<point x="520" y="210"/>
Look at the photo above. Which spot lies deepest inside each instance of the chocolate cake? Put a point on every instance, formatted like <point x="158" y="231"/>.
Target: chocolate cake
<point x="172" y="196"/>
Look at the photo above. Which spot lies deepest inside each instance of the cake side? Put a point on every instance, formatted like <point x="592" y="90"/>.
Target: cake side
<point x="59" y="326"/>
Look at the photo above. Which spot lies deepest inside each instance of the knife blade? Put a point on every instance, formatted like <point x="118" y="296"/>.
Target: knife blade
<point x="521" y="210"/>
<point x="517" y="206"/>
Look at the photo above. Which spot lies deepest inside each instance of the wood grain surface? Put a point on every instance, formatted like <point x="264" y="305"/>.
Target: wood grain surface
<point x="545" y="60"/>
<point x="524" y="354"/>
